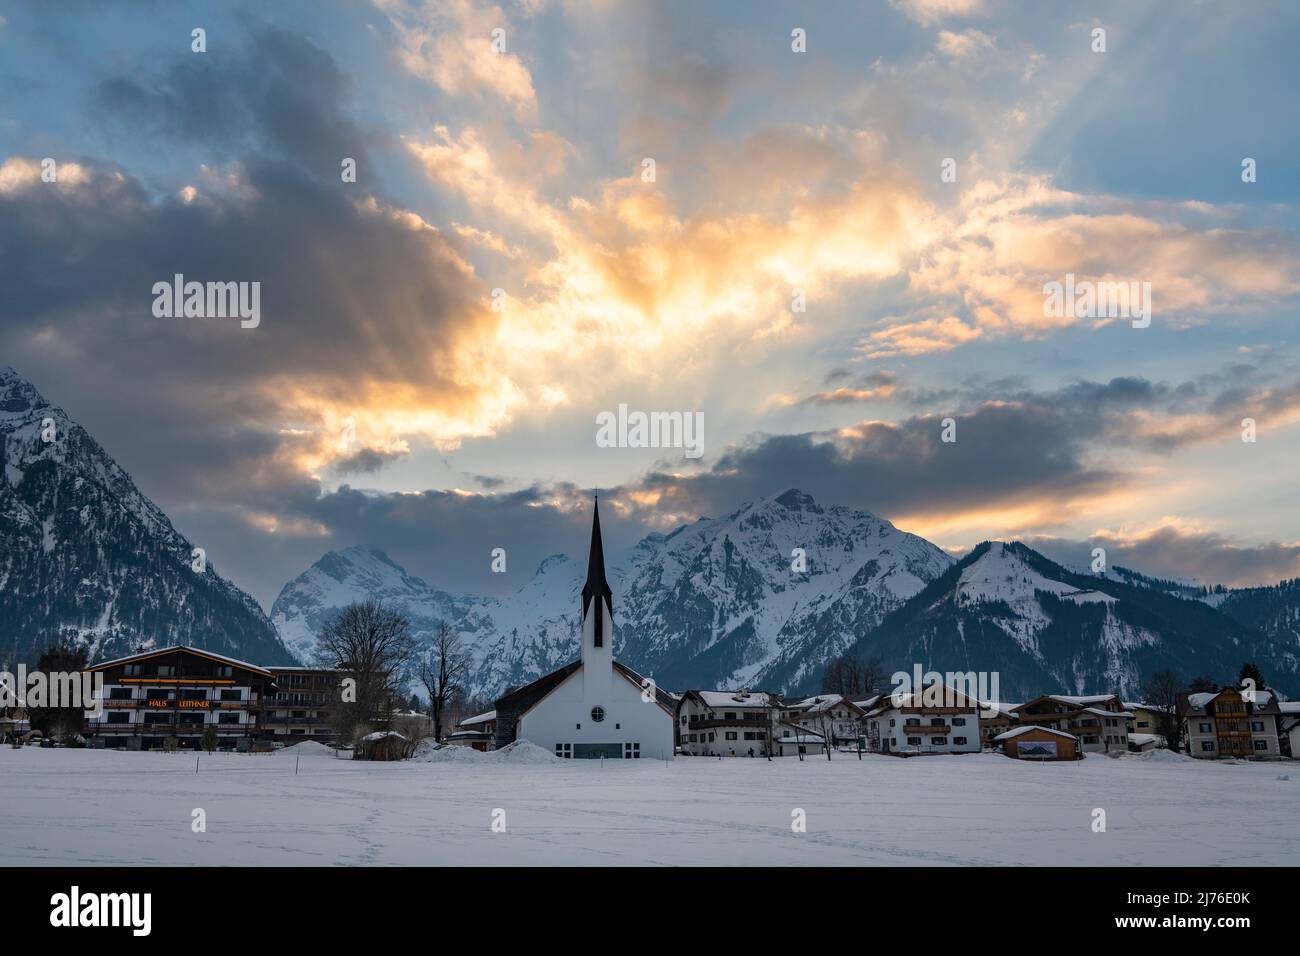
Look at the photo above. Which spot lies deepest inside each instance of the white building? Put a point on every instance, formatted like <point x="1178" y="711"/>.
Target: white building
<point x="727" y="723"/>
<point x="1288" y="728"/>
<point x="827" y="715"/>
<point x="909" y="725"/>
<point x="595" y="706"/>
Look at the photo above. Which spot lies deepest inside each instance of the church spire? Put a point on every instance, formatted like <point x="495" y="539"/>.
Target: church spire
<point x="596" y="585"/>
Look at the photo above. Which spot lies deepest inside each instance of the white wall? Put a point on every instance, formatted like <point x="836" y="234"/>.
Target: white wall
<point x="898" y="734"/>
<point x="564" y="715"/>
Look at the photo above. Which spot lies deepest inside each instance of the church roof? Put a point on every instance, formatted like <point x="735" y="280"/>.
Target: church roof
<point x="519" y="701"/>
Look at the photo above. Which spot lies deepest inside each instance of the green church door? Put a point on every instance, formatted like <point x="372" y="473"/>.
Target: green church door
<point x="594" y="751"/>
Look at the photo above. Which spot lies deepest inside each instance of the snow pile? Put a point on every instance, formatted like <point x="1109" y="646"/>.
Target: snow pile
<point x="308" y="748"/>
<point x="447" y="754"/>
<point x="523" y="752"/>
<point x="1162" y="756"/>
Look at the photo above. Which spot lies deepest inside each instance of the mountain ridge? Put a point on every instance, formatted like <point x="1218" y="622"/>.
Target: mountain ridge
<point x="86" y="555"/>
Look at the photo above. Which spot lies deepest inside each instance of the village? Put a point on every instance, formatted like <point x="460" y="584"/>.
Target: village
<point x="189" y="699"/>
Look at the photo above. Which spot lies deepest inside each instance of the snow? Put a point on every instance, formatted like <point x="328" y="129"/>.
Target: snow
<point x="90" y="807"/>
<point x="521" y="752"/>
<point x="308" y="748"/>
<point x="382" y="735"/>
<point x="482" y="718"/>
<point x="733" y="698"/>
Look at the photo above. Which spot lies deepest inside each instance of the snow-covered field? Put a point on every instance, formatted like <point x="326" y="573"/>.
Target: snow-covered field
<point x="79" y="807"/>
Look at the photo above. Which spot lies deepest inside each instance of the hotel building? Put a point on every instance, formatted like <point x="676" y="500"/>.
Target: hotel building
<point x="179" y="692"/>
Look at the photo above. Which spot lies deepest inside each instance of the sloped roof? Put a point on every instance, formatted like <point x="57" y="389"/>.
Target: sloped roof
<point x="181" y="647"/>
<point x="482" y="718"/>
<point x="662" y="697"/>
<point x="1018" y="731"/>
<point x="521" y="700"/>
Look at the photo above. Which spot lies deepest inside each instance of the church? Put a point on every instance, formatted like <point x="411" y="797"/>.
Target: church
<point x="593" y="706"/>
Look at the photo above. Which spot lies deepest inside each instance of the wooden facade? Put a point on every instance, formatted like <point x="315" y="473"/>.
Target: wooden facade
<point x="1039" y="743"/>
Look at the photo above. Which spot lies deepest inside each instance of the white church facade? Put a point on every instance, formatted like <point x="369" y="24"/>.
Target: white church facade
<point x="594" y="706"/>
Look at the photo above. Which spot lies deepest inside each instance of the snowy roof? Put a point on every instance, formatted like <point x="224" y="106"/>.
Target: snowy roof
<point x="1264" y="700"/>
<point x="482" y="718"/>
<point x="1024" y="730"/>
<point x="1082" y="701"/>
<point x="1002" y="707"/>
<point x="820" y="702"/>
<point x="802" y="739"/>
<point x="1289" y="706"/>
<point x="1134" y="705"/>
<point x="1105" y="713"/>
<point x="952" y="698"/>
<point x="734" y="698"/>
<point x="1141" y="739"/>
<point x="181" y="647"/>
<point x="380" y="735"/>
<point x="869" y="702"/>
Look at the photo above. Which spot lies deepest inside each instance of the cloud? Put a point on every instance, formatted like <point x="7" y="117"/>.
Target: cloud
<point x="919" y="338"/>
<point x="1010" y="237"/>
<point x="962" y="45"/>
<point x="451" y="44"/>
<point x="928" y="12"/>
<point x="1175" y="548"/>
<point x="277" y="92"/>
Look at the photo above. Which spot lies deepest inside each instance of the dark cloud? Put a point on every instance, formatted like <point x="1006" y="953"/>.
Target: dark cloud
<point x="276" y="93"/>
<point x="366" y="461"/>
<point x="1003" y="454"/>
<point x="1173" y="552"/>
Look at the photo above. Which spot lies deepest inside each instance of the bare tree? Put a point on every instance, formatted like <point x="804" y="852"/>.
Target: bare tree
<point x="442" y="669"/>
<point x="853" y="677"/>
<point x="369" y="641"/>
<point x="1164" y="694"/>
<point x="825" y="721"/>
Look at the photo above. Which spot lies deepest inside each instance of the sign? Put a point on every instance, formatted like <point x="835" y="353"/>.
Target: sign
<point x="181" y="704"/>
<point x="1041" y="749"/>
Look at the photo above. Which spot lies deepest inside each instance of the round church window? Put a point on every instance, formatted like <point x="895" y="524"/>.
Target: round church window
<point x="598" y="714"/>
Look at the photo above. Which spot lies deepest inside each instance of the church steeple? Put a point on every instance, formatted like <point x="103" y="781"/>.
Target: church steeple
<point x="596" y="585"/>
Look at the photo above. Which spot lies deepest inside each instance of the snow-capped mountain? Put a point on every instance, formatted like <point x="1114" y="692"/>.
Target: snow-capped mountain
<point x="1005" y="608"/>
<point x="84" y="553"/>
<point x="716" y="603"/>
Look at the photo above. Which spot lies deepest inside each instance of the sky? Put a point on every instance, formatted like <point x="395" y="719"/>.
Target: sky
<point x="824" y="229"/>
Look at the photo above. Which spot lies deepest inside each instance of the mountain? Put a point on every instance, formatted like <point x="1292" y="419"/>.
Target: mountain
<point x="1006" y="608"/>
<point x="714" y="603"/>
<point x="1274" y="611"/>
<point x="84" y="553"/>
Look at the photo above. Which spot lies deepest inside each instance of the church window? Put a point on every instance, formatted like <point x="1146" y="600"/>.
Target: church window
<point x="598" y="714"/>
